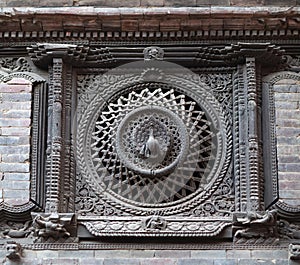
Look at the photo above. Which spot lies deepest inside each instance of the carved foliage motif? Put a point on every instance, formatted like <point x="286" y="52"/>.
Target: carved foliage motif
<point x="155" y="225"/>
<point x="10" y="65"/>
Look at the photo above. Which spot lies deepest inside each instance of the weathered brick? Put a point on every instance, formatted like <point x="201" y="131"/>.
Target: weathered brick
<point x="117" y="261"/>
<point x="16" y="114"/>
<point x="289" y="131"/>
<point x="280" y="2"/>
<point x="288" y="123"/>
<point x="195" y="262"/>
<point x="157" y="262"/>
<point x="46" y="3"/>
<point x="112" y="253"/>
<point x="286" y="88"/>
<point x="76" y="254"/>
<point x="287" y="114"/>
<point x="204" y="254"/>
<point x="134" y="253"/>
<point x="5" y="88"/>
<point x="20" y="185"/>
<point x="287" y="96"/>
<point x="176" y="3"/>
<point x="241" y="254"/>
<point x="257" y="262"/>
<point x="289" y="185"/>
<point x="225" y="262"/>
<point x="172" y="254"/>
<point x="286" y="105"/>
<point x="14" y="167"/>
<point x="246" y="3"/>
<point x="14" y="158"/>
<point x="16" y="176"/>
<point x="85" y="261"/>
<point x="152" y="2"/>
<point x="17" y="106"/>
<point x="14" y="149"/>
<point x="15" y="122"/>
<point x="49" y="261"/>
<point x="14" y="195"/>
<point x="15" y="131"/>
<point x="14" y="140"/>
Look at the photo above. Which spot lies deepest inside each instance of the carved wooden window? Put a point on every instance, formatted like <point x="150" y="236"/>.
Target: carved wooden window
<point x="154" y="149"/>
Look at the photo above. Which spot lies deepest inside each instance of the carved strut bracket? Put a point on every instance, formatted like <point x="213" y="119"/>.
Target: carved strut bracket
<point x="255" y="228"/>
<point x="54" y="226"/>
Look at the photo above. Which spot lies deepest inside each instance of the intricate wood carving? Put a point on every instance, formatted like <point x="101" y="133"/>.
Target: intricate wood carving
<point x="255" y="228"/>
<point x="130" y="99"/>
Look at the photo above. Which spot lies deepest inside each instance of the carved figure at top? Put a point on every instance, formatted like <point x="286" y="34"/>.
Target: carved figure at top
<point x="153" y="53"/>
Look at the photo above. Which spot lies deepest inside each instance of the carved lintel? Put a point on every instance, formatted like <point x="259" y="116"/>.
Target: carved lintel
<point x="255" y="227"/>
<point x="294" y="251"/>
<point x="153" y="226"/>
<point x="52" y="225"/>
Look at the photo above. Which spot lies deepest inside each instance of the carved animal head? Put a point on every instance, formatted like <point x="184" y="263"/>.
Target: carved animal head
<point x="14" y="250"/>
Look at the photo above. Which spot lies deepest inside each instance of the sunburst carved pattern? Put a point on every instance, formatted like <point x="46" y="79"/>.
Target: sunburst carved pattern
<point x="153" y="146"/>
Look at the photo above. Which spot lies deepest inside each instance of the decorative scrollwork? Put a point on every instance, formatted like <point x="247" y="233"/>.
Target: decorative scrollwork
<point x="11" y="65"/>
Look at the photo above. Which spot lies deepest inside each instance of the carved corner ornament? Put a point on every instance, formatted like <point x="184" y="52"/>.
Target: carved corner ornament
<point x="52" y="226"/>
<point x="294" y="251"/>
<point x="14" y="251"/>
<point x="255" y="228"/>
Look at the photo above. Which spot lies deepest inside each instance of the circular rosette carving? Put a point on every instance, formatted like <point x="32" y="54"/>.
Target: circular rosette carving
<point x="151" y="141"/>
<point x="153" y="146"/>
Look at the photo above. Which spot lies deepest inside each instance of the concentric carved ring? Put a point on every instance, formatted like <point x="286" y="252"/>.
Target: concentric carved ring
<point x="151" y="141"/>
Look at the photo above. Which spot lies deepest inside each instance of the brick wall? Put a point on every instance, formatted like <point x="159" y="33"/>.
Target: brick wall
<point x="15" y="113"/>
<point x="157" y="257"/>
<point x="287" y="103"/>
<point x="147" y="3"/>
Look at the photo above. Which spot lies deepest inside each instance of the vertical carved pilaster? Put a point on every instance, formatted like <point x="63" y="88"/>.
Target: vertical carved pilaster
<point x="241" y="140"/>
<point x="55" y="140"/>
<point x="254" y="199"/>
<point x="240" y="186"/>
<point x="67" y="198"/>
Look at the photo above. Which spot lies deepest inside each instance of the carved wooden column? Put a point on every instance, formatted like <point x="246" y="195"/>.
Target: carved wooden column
<point x="253" y="172"/>
<point x="59" y="162"/>
<point x="55" y="141"/>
